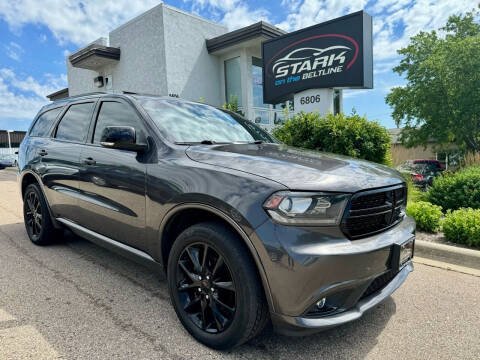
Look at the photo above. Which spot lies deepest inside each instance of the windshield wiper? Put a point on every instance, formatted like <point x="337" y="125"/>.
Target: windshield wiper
<point x="203" y="142"/>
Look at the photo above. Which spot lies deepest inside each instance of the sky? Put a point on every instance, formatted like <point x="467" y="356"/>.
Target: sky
<point x="36" y="36"/>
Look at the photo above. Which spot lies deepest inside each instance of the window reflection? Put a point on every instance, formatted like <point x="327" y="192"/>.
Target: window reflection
<point x="182" y="121"/>
<point x="233" y="80"/>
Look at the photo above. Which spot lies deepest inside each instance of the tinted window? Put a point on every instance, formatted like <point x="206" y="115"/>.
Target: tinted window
<point x="115" y="114"/>
<point x="75" y="122"/>
<point x="44" y="123"/>
<point x="183" y="121"/>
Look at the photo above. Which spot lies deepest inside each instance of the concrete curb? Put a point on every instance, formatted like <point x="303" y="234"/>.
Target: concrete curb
<point x="447" y="253"/>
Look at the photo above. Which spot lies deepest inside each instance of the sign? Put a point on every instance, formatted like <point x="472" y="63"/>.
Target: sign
<point x="312" y="100"/>
<point x="336" y="53"/>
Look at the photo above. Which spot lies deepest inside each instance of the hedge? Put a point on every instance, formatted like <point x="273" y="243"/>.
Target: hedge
<point x="458" y="190"/>
<point x="350" y="135"/>
<point x="427" y="216"/>
<point x="463" y="226"/>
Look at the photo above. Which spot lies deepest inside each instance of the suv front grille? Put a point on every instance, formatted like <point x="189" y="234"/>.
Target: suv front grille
<point x="374" y="211"/>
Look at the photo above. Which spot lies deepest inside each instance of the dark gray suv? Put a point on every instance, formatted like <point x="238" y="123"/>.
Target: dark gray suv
<point x="247" y="229"/>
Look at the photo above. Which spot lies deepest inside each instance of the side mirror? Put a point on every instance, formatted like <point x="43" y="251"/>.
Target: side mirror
<point x="122" y="138"/>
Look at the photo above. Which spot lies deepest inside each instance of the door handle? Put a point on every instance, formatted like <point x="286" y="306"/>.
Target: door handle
<point x="89" y="161"/>
<point x="42" y="152"/>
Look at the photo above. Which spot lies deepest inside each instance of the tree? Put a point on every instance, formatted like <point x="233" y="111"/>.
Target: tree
<point x="350" y="135"/>
<point x="441" y="100"/>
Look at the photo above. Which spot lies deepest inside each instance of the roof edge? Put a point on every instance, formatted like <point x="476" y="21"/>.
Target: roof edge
<point x="258" y="29"/>
<point x="60" y="94"/>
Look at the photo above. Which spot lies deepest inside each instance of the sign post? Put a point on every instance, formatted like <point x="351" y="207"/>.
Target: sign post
<point x="307" y="65"/>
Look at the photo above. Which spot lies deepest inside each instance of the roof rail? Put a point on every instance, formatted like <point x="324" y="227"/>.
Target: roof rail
<point x="87" y="94"/>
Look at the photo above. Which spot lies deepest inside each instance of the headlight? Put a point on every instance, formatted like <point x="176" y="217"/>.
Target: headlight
<point x="298" y="208"/>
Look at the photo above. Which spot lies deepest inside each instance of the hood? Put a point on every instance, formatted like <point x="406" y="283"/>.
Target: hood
<point x="298" y="169"/>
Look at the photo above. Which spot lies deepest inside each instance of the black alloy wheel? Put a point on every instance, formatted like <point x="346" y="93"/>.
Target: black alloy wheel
<point x="215" y="287"/>
<point x="33" y="215"/>
<point x="36" y="215"/>
<point x="206" y="287"/>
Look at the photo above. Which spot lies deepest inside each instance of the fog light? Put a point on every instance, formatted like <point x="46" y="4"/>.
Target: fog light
<point x="321" y="303"/>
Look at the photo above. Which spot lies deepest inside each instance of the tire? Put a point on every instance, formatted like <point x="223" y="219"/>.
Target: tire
<point x="250" y="313"/>
<point x="36" y="215"/>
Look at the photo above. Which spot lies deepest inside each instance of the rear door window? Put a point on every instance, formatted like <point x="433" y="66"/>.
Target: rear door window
<point x="74" y="124"/>
<point x="44" y="123"/>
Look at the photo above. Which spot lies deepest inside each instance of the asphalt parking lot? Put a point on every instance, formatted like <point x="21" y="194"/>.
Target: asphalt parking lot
<point x="74" y="300"/>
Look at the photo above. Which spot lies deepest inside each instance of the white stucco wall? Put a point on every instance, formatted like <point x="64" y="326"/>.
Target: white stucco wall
<point x="162" y="51"/>
<point x="192" y="72"/>
<point x="142" y="55"/>
<point x="80" y="81"/>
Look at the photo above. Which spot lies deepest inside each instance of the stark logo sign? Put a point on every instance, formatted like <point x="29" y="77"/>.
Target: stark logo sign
<point x="339" y="54"/>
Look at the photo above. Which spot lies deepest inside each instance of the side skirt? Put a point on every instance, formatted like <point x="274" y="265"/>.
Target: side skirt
<point x="129" y="252"/>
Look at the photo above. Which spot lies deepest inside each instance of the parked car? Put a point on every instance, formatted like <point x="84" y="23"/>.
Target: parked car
<point x="433" y="163"/>
<point x="422" y="172"/>
<point x="247" y="229"/>
<point x="7" y="160"/>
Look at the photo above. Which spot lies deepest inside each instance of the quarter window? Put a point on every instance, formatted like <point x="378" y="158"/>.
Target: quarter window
<point x="115" y="114"/>
<point x="74" y="124"/>
<point x="44" y="123"/>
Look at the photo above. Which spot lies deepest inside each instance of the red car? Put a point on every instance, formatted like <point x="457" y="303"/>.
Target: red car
<point x="422" y="172"/>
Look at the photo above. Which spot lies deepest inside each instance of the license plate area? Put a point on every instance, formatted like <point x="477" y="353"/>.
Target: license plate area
<point x="402" y="254"/>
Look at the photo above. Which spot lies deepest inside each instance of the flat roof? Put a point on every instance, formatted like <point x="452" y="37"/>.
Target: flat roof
<point x="259" y="29"/>
<point x="57" y="95"/>
<point x="94" y="56"/>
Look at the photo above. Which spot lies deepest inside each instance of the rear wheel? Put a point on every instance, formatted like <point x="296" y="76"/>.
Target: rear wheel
<point x="36" y="216"/>
<point x="214" y="286"/>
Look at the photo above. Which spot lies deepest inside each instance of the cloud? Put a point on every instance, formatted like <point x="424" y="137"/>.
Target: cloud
<point x="233" y="14"/>
<point x="242" y="16"/>
<point x="22" y="98"/>
<point x="394" y="22"/>
<point x="312" y="12"/>
<point x="14" y="51"/>
<point x="72" y="21"/>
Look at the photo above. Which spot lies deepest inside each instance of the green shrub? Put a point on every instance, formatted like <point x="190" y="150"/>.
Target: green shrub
<point x="414" y="193"/>
<point x="426" y="215"/>
<point x="463" y="226"/>
<point x="233" y="106"/>
<point x="351" y="135"/>
<point x="458" y="190"/>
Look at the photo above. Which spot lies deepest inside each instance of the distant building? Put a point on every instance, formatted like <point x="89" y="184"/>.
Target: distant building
<point x="400" y="153"/>
<point x="10" y="141"/>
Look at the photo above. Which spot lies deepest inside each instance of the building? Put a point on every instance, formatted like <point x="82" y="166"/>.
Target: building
<point x="166" y="51"/>
<point x="10" y="141"/>
<point x="449" y="156"/>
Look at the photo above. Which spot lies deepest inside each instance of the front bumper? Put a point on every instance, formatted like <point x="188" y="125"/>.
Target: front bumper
<point x="294" y="326"/>
<point x="304" y="265"/>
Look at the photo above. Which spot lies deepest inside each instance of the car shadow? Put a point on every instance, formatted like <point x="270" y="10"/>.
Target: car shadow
<point x="353" y="340"/>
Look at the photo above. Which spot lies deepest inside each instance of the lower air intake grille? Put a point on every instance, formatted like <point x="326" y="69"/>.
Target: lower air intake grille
<point x="379" y="283"/>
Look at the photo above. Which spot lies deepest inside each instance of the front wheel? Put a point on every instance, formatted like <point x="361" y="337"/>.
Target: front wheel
<point x="215" y="287"/>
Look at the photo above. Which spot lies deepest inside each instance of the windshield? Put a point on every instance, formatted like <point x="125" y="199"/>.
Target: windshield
<point x="187" y="122"/>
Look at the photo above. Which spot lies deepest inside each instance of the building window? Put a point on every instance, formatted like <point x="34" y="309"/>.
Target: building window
<point x="233" y="80"/>
<point x="266" y="114"/>
<point x="257" y="83"/>
<point x="336" y="102"/>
